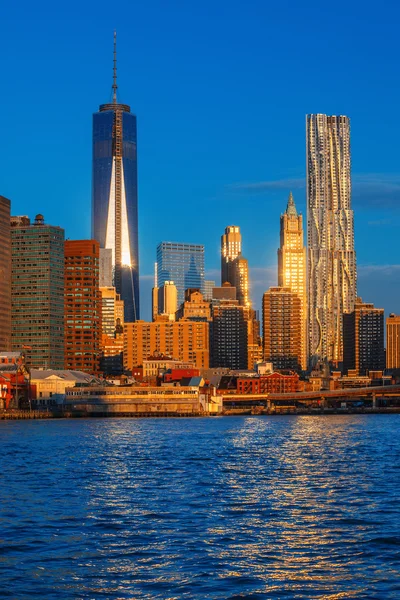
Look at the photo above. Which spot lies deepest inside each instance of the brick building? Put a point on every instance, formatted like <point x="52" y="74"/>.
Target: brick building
<point x="82" y="306"/>
<point x="275" y="383"/>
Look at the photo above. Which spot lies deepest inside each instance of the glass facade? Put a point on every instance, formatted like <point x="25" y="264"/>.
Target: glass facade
<point x="181" y="263"/>
<point x="115" y="198"/>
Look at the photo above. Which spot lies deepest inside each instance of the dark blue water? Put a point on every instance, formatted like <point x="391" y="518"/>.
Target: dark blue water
<point x="239" y="507"/>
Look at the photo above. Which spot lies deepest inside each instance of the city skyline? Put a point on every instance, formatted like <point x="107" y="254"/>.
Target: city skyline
<point x="211" y="173"/>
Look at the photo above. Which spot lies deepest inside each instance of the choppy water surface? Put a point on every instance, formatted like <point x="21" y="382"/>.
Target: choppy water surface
<point x="240" y="507"/>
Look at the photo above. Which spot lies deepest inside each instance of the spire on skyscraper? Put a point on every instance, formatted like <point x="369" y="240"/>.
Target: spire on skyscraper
<point x="291" y="207"/>
<point x="114" y="85"/>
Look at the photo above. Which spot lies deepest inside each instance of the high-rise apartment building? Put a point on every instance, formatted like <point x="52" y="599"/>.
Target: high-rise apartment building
<point x="330" y="235"/>
<point x="5" y="275"/>
<point x="234" y="267"/>
<point x="363" y="339"/>
<point x="112" y="325"/>
<point x="292" y="265"/>
<point x="181" y="263"/>
<point x="282" y="328"/>
<point x="82" y="306"/>
<point x="229" y="335"/>
<point x="183" y="340"/>
<point x="37" y="292"/>
<point x="393" y="342"/>
<point x="115" y="196"/>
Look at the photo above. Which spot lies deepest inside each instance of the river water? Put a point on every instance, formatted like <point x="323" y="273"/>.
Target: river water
<point x="234" y="507"/>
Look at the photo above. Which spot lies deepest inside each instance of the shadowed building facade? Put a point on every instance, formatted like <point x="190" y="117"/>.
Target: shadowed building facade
<point x="229" y="335"/>
<point x="282" y="328"/>
<point x="330" y="235"/>
<point x="363" y="339"/>
<point x="5" y="275"/>
<point x="115" y="196"/>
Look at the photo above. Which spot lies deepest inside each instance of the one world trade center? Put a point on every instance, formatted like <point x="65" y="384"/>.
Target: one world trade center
<point x="114" y="195"/>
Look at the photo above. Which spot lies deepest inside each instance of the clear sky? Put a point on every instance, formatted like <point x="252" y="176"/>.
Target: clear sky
<point x="221" y="89"/>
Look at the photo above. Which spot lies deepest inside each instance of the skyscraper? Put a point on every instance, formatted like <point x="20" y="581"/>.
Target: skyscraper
<point x="5" y="275"/>
<point x="82" y="306"/>
<point x="282" y="328"/>
<point x="393" y="341"/>
<point x="292" y="264"/>
<point x="114" y="195"/>
<point x="229" y="335"/>
<point x="181" y="263"/>
<point x="37" y="291"/>
<point x="363" y="339"/>
<point x="231" y="248"/>
<point x="234" y="267"/>
<point x="330" y="234"/>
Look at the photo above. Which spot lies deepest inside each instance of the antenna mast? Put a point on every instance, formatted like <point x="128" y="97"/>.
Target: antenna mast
<point x="114" y="85"/>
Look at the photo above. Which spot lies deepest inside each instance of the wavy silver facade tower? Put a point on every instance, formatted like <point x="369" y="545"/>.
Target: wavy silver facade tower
<point x="331" y="268"/>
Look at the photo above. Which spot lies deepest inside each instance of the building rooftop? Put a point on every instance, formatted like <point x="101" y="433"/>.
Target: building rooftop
<point x="77" y="376"/>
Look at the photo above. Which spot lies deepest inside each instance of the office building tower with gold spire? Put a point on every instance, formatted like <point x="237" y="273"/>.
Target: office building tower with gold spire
<point x="331" y="270"/>
<point x="292" y="265"/>
<point x="234" y="267"/>
<point x="114" y="195"/>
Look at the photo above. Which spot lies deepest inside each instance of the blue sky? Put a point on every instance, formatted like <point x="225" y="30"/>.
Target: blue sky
<point x="221" y="90"/>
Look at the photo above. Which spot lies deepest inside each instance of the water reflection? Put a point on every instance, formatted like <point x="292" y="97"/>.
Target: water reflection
<point x="274" y="507"/>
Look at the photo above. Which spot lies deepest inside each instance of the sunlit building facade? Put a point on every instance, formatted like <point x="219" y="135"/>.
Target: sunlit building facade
<point x="181" y="263"/>
<point x="330" y="235"/>
<point x="393" y="342"/>
<point x="82" y="306"/>
<point x="37" y="292"/>
<point x="115" y="196"/>
<point x="208" y="288"/>
<point x="292" y="264"/>
<point x="195" y="307"/>
<point x="231" y="248"/>
<point x="234" y="267"/>
<point x="112" y="338"/>
<point x="183" y="340"/>
<point x="168" y="299"/>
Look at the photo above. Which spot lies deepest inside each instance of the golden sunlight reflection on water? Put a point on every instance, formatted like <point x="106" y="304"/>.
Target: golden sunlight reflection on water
<point x="253" y="507"/>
